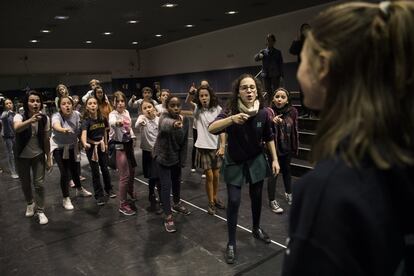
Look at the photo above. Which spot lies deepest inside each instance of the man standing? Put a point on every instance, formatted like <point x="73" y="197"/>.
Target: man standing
<point x="272" y="65"/>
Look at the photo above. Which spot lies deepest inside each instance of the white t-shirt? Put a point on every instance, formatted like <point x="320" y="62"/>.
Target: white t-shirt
<point x="32" y="149"/>
<point x="203" y="118"/>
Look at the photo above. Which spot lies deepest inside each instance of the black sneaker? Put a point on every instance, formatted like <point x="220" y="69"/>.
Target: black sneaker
<point x="230" y="254"/>
<point x="169" y="225"/>
<point x="111" y="194"/>
<point x="259" y="234"/>
<point x="101" y="201"/>
<point x="179" y="208"/>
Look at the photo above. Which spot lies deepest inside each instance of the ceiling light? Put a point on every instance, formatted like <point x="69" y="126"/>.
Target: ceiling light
<point x="158" y="35"/>
<point x="132" y="21"/>
<point x="45" y="31"/>
<point x="134" y="42"/>
<point x="231" y="12"/>
<point x="61" y="17"/>
<point x="34" y="41"/>
<point x="88" y="41"/>
<point x="189" y="26"/>
<point x="107" y="33"/>
<point x="169" y="5"/>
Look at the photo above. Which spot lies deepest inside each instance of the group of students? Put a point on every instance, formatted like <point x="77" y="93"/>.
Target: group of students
<point x="351" y="215"/>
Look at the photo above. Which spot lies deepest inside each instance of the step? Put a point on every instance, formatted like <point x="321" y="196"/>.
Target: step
<point x="304" y="153"/>
<point x="306" y="137"/>
<point x="308" y="124"/>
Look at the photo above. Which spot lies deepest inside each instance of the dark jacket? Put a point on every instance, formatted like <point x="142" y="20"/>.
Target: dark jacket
<point x="23" y="137"/>
<point x="272" y="63"/>
<point x="349" y="221"/>
<point x="170" y="148"/>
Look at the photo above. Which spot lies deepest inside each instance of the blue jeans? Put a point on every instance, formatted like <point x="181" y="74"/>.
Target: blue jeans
<point x="9" y="142"/>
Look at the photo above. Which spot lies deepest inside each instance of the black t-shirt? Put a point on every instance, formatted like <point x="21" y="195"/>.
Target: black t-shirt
<point x="95" y="128"/>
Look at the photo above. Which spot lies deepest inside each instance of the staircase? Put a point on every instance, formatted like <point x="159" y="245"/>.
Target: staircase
<point x="307" y="128"/>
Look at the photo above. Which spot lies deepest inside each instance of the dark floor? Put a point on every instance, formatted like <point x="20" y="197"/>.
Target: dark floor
<point x="92" y="240"/>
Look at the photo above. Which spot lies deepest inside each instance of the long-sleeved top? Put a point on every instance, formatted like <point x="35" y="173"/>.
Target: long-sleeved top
<point x="272" y="62"/>
<point x="123" y="133"/>
<point x="149" y="131"/>
<point x="170" y="148"/>
<point x="245" y="142"/>
<point x="286" y="133"/>
<point x="351" y="221"/>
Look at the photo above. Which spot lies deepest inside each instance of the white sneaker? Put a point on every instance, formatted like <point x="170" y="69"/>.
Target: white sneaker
<point x="193" y="170"/>
<point x="82" y="192"/>
<point x="14" y="175"/>
<point x="30" y="210"/>
<point x="288" y="198"/>
<point x="203" y="176"/>
<point x="274" y="205"/>
<point x="71" y="183"/>
<point x="67" y="204"/>
<point x="42" y="218"/>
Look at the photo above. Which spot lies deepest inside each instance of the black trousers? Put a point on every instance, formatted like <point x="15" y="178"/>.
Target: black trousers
<point x="68" y="170"/>
<point x="103" y="165"/>
<point x="170" y="179"/>
<point x="284" y="162"/>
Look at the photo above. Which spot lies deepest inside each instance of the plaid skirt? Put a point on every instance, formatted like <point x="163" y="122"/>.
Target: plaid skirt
<point x="207" y="159"/>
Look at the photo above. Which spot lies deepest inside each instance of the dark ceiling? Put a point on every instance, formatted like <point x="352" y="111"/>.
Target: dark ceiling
<point x="23" y="20"/>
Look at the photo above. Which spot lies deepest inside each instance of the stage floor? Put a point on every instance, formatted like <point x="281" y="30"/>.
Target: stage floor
<point x="93" y="240"/>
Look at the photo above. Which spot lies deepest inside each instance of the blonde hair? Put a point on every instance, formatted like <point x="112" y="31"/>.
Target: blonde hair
<point x="370" y="84"/>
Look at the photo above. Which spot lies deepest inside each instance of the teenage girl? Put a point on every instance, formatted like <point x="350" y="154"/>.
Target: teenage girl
<point x="170" y="150"/>
<point x="104" y="106"/>
<point x="61" y="90"/>
<point x="64" y="147"/>
<point x="94" y="140"/>
<point x="122" y="136"/>
<point x="247" y="125"/>
<point x="209" y="150"/>
<point x="7" y="132"/>
<point x="353" y="214"/>
<point x="285" y="119"/>
<point x="148" y="126"/>
<point x="32" y="145"/>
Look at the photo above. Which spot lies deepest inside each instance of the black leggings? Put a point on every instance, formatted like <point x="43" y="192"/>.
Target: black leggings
<point x="284" y="162"/>
<point x="68" y="169"/>
<point x="233" y="203"/>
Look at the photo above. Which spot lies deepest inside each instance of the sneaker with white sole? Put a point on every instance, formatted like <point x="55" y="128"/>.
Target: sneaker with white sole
<point x="30" y="210"/>
<point x="14" y="175"/>
<point x="203" y="176"/>
<point x="288" y="198"/>
<point x="275" y="207"/>
<point x="67" y="203"/>
<point x="42" y="218"/>
<point x="82" y="192"/>
<point x="193" y="170"/>
<point x="169" y="225"/>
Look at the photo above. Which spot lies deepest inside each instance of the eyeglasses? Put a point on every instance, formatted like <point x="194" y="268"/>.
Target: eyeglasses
<point x="246" y="87"/>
